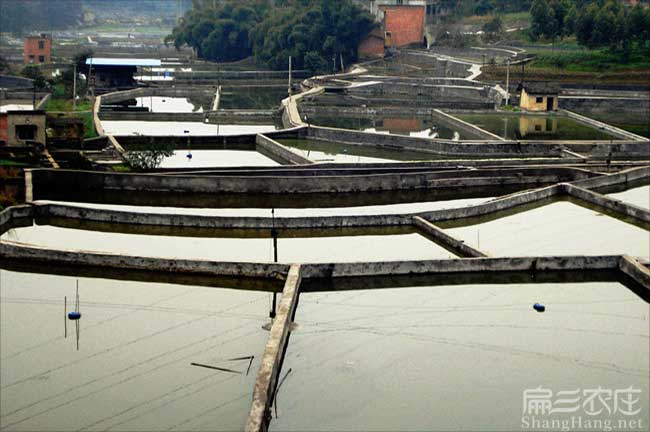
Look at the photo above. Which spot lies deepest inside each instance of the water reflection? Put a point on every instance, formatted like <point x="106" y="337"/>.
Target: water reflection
<point x="535" y="127"/>
<point x="323" y="151"/>
<point x="416" y="126"/>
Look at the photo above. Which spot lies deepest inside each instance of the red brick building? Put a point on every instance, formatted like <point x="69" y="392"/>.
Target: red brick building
<point x="404" y="25"/>
<point x="3" y="129"/>
<point x="400" y="26"/>
<point x="37" y="49"/>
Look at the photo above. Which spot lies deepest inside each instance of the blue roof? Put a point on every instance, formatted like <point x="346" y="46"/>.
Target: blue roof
<point x="104" y="61"/>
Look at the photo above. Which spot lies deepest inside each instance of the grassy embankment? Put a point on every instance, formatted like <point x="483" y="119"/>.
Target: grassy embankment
<point x="568" y="62"/>
<point x="83" y="111"/>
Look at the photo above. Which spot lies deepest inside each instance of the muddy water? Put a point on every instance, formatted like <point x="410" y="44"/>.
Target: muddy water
<point x="216" y="158"/>
<point x="407" y="246"/>
<point x="457" y="357"/>
<point x="132" y="127"/>
<point x="560" y="228"/>
<point x="638" y="196"/>
<point x="295" y="212"/>
<point x="132" y="371"/>
<point x="535" y="127"/>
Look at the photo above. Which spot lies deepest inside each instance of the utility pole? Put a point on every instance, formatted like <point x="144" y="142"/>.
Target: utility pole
<point x="290" y="66"/>
<point x="74" y="89"/>
<point x="508" y="84"/>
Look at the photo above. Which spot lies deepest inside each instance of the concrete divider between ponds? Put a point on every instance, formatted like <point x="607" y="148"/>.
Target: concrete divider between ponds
<point x="445" y="240"/>
<point x="271" y="365"/>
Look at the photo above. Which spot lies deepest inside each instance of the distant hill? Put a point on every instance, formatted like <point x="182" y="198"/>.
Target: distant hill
<point x="136" y="8"/>
<point x="25" y="16"/>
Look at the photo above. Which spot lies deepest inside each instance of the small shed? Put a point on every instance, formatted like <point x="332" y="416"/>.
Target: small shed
<point x="22" y="128"/>
<point x="116" y="72"/>
<point x="539" y="96"/>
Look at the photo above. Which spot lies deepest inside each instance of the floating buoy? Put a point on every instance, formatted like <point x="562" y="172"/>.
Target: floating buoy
<point x="539" y="307"/>
<point x="74" y="315"/>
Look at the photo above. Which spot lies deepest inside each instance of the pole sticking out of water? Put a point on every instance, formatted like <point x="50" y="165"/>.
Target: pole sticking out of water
<point x="274" y="234"/>
<point x="77" y="328"/>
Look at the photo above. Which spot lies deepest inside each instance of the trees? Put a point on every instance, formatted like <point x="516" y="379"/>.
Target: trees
<point x="595" y="23"/>
<point x="33" y="72"/>
<point x="493" y="28"/>
<point x="607" y="24"/>
<point x="218" y="31"/>
<point x="549" y="18"/>
<point x="315" y="33"/>
<point x="150" y="156"/>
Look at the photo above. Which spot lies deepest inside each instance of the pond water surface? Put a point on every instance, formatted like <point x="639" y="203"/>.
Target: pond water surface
<point x="168" y="104"/>
<point x="132" y="127"/>
<point x="638" y="196"/>
<point x="418" y="126"/>
<point x="132" y="370"/>
<point x="457" y="357"/>
<point x="216" y="158"/>
<point x="401" y="208"/>
<point x="351" y="248"/>
<point x="320" y="151"/>
<point x="535" y="127"/>
<point x="559" y="228"/>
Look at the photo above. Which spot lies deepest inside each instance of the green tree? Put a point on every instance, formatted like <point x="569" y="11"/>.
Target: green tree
<point x="493" y="28"/>
<point x="570" y="20"/>
<point x="33" y="72"/>
<point x="219" y="31"/>
<point x="232" y="30"/>
<point x="150" y="156"/>
<point x="585" y="25"/>
<point x="638" y="24"/>
<point x="541" y="17"/>
<point x="484" y="7"/>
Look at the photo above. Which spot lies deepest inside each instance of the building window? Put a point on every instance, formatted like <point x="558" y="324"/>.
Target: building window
<point x="539" y="99"/>
<point x="26" y="132"/>
<point x="31" y="58"/>
<point x="399" y="2"/>
<point x="41" y="59"/>
<point x="41" y="44"/>
<point x="538" y="128"/>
